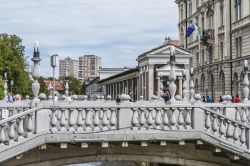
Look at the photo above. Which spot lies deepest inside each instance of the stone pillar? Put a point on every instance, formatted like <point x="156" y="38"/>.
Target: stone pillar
<point x="150" y="80"/>
<point x="36" y="72"/>
<point x="113" y="87"/>
<point x="180" y="87"/>
<point x="138" y="87"/>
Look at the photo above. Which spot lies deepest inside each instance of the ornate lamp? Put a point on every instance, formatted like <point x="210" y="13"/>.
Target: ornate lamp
<point x="5" y="86"/>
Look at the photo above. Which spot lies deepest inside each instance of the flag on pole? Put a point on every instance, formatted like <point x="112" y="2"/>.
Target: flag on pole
<point x="193" y="28"/>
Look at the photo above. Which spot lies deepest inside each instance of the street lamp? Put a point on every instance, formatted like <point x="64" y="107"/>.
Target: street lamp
<point x="53" y="62"/>
<point x="5" y="85"/>
<point x="11" y="84"/>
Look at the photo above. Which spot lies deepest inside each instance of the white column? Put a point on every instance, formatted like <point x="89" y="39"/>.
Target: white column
<point x="180" y="87"/>
<point x="138" y="87"/>
<point x="113" y="87"/>
<point x="127" y="90"/>
<point x="150" y="81"/>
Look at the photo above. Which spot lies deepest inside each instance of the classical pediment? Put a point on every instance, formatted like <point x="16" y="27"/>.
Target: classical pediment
<point x="165" y="50"/>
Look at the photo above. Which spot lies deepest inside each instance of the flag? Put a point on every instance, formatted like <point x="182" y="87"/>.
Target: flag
<point x="192" y="28"/>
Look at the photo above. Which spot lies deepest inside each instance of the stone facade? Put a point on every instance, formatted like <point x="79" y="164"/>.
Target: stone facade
<point x="219" y="54"/>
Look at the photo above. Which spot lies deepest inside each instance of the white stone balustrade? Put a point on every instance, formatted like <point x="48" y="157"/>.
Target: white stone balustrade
<point x="92" y="117"/>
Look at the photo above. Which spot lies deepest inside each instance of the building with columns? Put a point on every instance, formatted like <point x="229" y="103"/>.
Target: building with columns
<point x="151" y="75"/>
<point x="219" y="54"/>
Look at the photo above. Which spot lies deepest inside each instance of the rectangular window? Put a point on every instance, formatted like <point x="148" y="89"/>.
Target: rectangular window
<point x="197" y="4"/>
<point x="197" y="59"/>
<point x="190" y="9"/>
<point x="203" y="57"/>
<point x="222" y="15"/>
<point x="222" y="51"/>
<point x="238" y="47"/>
<point x="237" y="10"/>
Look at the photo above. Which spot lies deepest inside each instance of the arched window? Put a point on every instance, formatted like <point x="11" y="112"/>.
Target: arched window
<point x="222" y="83"/>
<point x="203" y="87"/>
<point x="235" y="84"/>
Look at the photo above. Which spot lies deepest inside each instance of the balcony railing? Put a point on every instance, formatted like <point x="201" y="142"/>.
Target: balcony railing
<point x="207" y="36"/>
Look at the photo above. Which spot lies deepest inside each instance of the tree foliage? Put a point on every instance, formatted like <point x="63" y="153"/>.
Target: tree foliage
<point x="43" y="88"/>
<point x="13" y="62"/>
<point x="1" y="88"/>
<point x="75" y="85"/>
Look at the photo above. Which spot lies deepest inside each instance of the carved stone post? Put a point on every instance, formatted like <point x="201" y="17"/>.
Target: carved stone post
<point x="36" y="72"/>
<point x="245" y="83"/>
<point x="172" y="75"/>
<point x="184" y="86"/>
<point x="191" y="85"/>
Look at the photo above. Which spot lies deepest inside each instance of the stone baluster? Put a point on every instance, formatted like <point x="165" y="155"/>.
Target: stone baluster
<point x="80" y="121"/>
<point x="165" y="118"/>
<point x="89" y="120"/>
<point x="229" y="133"/>
<point x="243" y="136"/>
<point x="188" y="118"/>
<point x="173" y="120"/>
<point x="248" y="117"/>
<point x="2" y="135"/>
<point x="113" y="119"/>
<point x="105" y="120"/>
<point x="243" y="115"/>
<point x="208" y="121"/>
<point x="150" y="118"/>
<point x="12" y="132"/>
<point x="245" y="83"/>
<point x="180" y="118"/>
<point x="72" y="120"/>
<point x="222" y="128"/>
<point x="236" y="133"/>
<point x="20" y="129"/>
<point x="158" y="118"/>
<point x="30" y="125"/>
<point x="54" y="120"/>
<point x="237" y="115"/>
<point x="97" y="120"/>
<point x="215" y="126"/>
<point x="142" y="119"/>
<point x="63" y="121"/>
<point x="135" y="118"/>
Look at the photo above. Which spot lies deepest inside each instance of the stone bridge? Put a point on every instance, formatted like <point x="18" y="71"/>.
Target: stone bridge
<point x="177" y="133"/>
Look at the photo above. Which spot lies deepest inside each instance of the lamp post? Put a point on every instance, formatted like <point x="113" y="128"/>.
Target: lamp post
<point x="5" y="86"/>
<point x="53" y="62"/>
<point x="36" y="72"/>
<point x="11" y="85"/>
<point x="245" y="83"/>
<point x="172" y="74"/>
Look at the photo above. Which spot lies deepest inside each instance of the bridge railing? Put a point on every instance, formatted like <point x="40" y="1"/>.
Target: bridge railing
<point x="101" y="116"/>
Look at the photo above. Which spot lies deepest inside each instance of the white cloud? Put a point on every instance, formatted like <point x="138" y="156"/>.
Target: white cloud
<point x="110" y="28"/>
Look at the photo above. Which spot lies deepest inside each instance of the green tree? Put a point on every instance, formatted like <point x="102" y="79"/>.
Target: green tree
<point x="1" y="88"/>
<point x="43" y="88"/>
<point x="83" y="88"/>
<point x="75" y="86"/>
<point x="13" y="62"/>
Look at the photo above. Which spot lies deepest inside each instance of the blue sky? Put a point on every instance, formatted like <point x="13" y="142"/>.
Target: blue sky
<point x="116" y="30"/>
